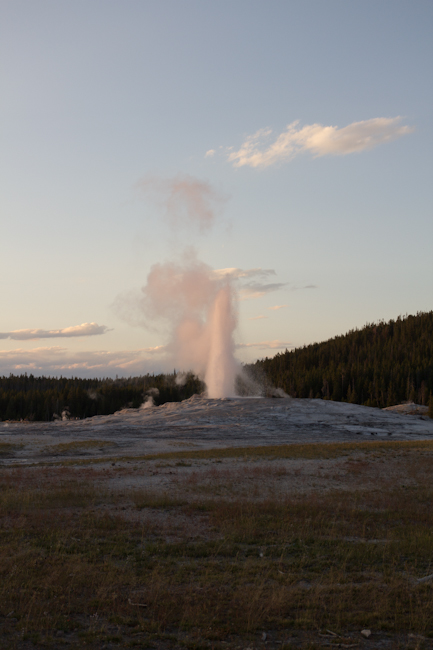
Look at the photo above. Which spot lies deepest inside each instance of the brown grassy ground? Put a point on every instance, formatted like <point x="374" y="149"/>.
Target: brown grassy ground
<point x="273" y="547"/>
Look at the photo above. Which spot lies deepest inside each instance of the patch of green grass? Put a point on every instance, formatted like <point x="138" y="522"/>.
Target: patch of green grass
<point x="78" y="445"/>
<point x="272" y="452"/>
<point x="8" y="449"/>
<point x="69" y="495"/>
<point x="152" y="499"/>
<point x="308" y="451"/>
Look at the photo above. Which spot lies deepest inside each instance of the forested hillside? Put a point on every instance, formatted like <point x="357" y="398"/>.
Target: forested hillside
<point x="380" y="365"/>
<point x="47" y="398"/>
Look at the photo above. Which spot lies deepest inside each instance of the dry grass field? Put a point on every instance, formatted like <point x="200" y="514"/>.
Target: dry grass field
<point x="292" y="546"/>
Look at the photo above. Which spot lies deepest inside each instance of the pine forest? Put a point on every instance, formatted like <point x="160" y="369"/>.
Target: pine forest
<point x="380" y="365"/>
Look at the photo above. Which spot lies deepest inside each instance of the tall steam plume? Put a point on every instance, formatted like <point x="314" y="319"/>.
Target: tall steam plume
<point x="198" y="307"/>
<point x="196" y="304"/>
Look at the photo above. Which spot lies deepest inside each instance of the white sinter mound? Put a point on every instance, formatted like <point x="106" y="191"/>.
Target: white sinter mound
<point x="210" y="423"/>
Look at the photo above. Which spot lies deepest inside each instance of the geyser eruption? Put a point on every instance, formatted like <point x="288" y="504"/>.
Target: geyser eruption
<point x="196" y="303"/>
<point x="198" y="307"/>
<point x="221" y="367"/>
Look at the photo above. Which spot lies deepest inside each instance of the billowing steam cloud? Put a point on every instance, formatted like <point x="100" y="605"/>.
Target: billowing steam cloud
<point x="184" y="199"/>
<point x="195" y="304"/>
<point x="197" y="307"/>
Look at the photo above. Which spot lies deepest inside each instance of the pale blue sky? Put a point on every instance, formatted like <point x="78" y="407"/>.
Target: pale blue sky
<point x="96" y="96"/>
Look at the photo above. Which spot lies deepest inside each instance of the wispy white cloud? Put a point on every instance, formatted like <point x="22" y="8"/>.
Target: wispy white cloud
<point x="57" y="360"/>
<point x="258" y="317"/>
<point x="241" y="274"/>
<point x="258" y="150"/>
<point x="210" y="153"/>
<point x="276" y="307"/>
<point x="305" y="286"/>
<point x="85" y="329"/>
<point x="267" y="345"/>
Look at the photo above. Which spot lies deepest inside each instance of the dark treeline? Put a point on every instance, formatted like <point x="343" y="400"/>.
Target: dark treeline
<point x="46" y="398"/>
<point x="380" y="365"/>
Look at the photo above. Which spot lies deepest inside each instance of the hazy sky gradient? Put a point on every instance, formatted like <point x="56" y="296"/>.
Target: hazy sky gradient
<point x="304" y="127"/>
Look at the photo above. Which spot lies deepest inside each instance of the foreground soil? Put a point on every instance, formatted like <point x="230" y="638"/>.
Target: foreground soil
<point x="287" y="546"/>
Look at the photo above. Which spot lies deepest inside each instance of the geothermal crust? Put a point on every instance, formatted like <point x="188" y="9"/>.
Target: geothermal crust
<point x="200" y="423"/>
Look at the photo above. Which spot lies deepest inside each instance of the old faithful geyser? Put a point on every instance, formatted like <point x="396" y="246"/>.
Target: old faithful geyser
<point x="196" y="303"/>
<point x="198" y="308"/>
<point x="221" y="365"/>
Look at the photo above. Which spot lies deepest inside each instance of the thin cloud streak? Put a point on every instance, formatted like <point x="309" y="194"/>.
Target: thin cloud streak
<point x="267" y="345"/>
<point x="319" y="140"/>
<point x="277" y="307"/>
<point x="253" y="290"/>
<point x="306" y="286"/>
<point x="85" y="329"/>
<point x="57" y="360"/>
<point x="236" y="273"/>
<point x="258" y="317"/>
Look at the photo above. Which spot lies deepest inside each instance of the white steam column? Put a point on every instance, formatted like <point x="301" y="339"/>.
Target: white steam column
<point x="221" y="367"/>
